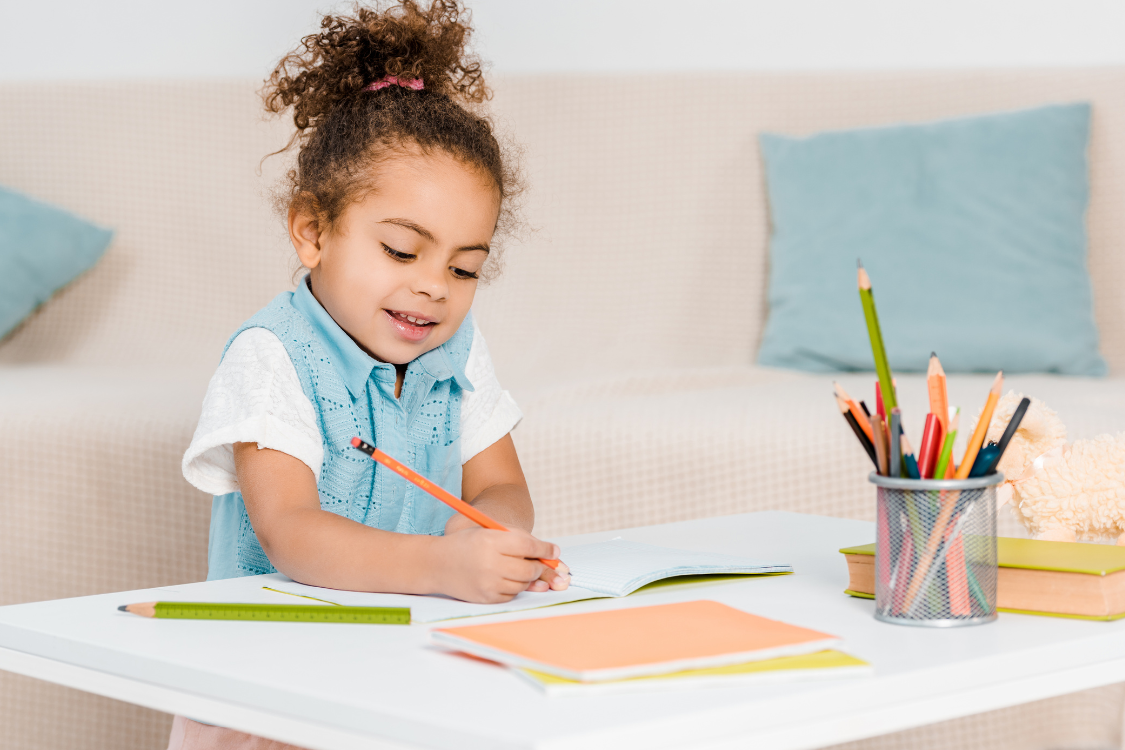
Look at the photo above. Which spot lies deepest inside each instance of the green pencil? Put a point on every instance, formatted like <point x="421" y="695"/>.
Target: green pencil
<point x="886" y="385"/>
<point x="947" y="447"/>
<point x="270" y="612"/>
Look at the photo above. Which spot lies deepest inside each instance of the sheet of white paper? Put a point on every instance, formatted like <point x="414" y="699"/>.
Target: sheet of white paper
<point x="430" y="608"/>
<point x="619" y="567"/>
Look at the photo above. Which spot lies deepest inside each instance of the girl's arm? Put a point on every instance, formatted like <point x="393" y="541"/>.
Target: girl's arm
<point x="320" y="548"/>
<point x="493" y="482"/>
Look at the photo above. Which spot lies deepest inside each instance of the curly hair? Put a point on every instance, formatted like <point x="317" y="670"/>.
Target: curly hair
<point x="344" y="131"/>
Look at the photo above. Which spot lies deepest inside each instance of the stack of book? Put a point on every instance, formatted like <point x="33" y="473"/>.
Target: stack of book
<point x="1062" y="579"/>
<point x="667" y="646"/>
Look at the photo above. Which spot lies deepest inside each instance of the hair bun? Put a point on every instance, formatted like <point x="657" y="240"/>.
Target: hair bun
<point x="349" y="53"/>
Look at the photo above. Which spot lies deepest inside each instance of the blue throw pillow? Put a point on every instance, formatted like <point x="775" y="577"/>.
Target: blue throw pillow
<point x="972" y="230"/>
<point x="42" y="249"/>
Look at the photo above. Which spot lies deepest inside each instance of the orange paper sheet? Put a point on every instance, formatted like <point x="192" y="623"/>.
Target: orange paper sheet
<point x="620" y="643"/>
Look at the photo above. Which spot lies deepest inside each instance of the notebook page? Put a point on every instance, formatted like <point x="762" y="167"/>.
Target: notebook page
<point x="619" y="567"/>
<point x="425" y="608"/>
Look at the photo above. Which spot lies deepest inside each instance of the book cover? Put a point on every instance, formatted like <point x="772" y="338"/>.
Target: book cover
<point x="821" y="665"/>
<point x="617" y="644"/>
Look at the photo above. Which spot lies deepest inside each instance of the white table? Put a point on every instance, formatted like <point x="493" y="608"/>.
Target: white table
<point x="337" y="687"/>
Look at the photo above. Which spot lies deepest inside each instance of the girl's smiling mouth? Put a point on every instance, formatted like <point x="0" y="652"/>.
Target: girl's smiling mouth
<point x="410" y="325"/>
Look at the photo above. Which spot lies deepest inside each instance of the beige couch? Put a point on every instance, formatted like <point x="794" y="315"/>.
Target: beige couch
<point x="626" y="324"/>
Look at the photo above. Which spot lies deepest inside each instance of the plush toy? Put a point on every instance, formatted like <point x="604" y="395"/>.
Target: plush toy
<point x="1060" y="492"/>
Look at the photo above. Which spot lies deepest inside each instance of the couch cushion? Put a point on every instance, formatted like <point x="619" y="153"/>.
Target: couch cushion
<point x="93" y="499"/>
<point x="42" y="249"/>
<point x="973" y="231"/>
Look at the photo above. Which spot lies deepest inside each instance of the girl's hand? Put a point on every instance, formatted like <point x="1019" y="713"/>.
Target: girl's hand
<point x="552" y="580"/>
<point x="487" y="566"/>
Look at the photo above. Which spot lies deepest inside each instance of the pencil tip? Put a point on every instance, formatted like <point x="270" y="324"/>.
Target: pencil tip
<point x="933" y="355"/>
<point x="124" y="608"/>
<point x="858" y="263"/>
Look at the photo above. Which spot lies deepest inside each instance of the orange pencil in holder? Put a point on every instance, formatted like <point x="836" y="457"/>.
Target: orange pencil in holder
<point x="955" y="576"/>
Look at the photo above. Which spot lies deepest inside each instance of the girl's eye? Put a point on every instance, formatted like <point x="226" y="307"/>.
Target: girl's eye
<point x="404" y="257"/>
<point x="463" y="274"/>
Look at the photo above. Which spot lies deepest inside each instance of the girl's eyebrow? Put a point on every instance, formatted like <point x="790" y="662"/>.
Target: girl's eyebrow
<point x="408" y="224"/>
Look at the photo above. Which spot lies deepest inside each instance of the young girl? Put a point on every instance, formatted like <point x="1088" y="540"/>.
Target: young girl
<point x="392" y="208"/>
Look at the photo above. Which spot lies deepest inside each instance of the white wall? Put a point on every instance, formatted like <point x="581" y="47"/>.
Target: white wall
<point x="238" y="38"/>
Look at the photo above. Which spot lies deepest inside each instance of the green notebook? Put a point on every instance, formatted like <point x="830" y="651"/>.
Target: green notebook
<point x="1033" y="554"/>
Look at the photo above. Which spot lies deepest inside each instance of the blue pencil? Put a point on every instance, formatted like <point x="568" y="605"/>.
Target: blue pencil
<point x="908" y="460"/>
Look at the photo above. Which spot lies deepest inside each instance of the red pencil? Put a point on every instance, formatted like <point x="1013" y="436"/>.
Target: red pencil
<point x="452" y="501"/>
<point x="931" y="443"/>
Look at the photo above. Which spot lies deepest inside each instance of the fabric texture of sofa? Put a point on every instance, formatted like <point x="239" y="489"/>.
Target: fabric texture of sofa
<point x="625" y="323"/>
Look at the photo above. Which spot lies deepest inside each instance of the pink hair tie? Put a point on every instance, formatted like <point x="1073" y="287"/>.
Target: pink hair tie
<point x="414" y="84"/>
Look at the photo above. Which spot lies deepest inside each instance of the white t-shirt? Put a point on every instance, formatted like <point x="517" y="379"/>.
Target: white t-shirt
<point x="255" y="397"/>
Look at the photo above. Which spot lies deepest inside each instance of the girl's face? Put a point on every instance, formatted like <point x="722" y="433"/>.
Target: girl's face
<point x="399" y="271"/>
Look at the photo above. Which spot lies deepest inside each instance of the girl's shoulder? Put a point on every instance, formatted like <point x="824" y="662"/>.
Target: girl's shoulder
<point x="279" y="317"/>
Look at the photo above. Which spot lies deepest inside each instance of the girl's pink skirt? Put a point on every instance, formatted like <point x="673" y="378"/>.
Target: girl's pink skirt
<point x="191" y="735"/>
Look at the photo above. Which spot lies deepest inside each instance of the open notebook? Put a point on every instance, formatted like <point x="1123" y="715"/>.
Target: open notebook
<point x="603" y="569"/>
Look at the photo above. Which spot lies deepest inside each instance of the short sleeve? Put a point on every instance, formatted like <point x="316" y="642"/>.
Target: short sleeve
<point x="254" y="396"/>
<point x="488" y="412"/>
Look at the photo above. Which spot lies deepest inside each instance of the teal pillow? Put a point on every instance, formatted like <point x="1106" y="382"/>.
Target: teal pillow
<point x="972" y="230"/>
<point x="42" y="249"/>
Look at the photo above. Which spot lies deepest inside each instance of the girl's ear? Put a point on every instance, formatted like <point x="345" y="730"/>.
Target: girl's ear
<point x="305" y="232"/>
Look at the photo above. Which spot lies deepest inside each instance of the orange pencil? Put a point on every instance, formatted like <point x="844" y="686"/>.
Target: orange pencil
<point x="939" y="396"/>
<point x="982" y="428"/>
<point x="860" y="417"/>
<point x="452" y="501"/>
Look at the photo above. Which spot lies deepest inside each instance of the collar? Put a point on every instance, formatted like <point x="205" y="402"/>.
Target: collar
<point x="355" y="365"/>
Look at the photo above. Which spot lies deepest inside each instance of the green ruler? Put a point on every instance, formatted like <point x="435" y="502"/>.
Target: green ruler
<point x="283" y="613"/>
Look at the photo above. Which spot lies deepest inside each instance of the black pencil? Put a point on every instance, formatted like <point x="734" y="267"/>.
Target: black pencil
<point x="1009" y="431"/>
<point x="859" y="433"/>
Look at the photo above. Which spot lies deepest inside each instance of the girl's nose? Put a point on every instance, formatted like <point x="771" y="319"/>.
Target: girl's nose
<point x="430" y="281"/>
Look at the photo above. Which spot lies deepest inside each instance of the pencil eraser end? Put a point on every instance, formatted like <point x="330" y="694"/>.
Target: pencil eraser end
<point x="123" y="608"/>
<point x="355" y="442"/>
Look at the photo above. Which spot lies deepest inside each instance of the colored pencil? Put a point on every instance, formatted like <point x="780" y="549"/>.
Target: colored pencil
<point x="927" y="452"/>
<point x="863" y="405"/>
<point x="456" y="503"/>
<point x="909" y="462"/>
<point x="956" y="578"/>
<point x="977" y="438"/>
<point x="946" y="456"/>
<point x="949" y="500"/>
<point x="1009" y="431"/>
<point x="859" y="433"/>
<point x="867" y="299"/>
<point x="939" y="397"/>
<point x="881" y="449"/>
<point x="853" y="407"/>
<point x="880" y="409"/>
<point x="894" y="461"/>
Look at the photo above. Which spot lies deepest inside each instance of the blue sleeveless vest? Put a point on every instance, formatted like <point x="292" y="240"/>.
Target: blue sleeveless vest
<point x="353" y="395"/>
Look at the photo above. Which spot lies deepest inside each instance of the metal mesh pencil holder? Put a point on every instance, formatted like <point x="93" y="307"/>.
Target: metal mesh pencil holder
<point x="935" y="551"/>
